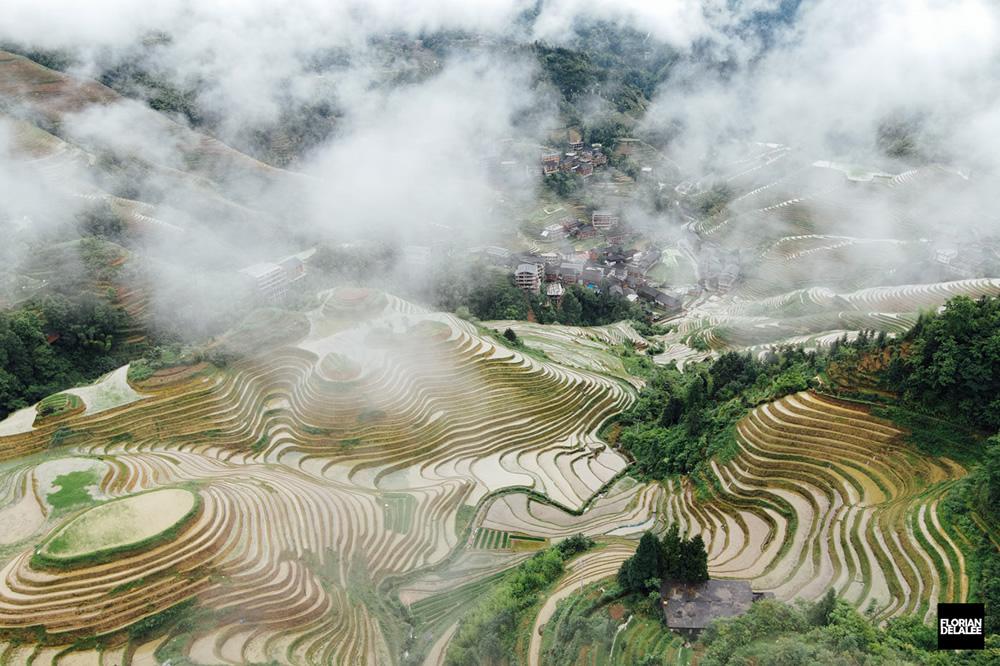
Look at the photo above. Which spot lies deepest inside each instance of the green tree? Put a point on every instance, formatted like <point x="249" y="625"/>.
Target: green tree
<point x="563" y="183"/>
<point x="641" y="572"/>
<point x="819" y="613"/>
<point x="570" y="71"/>
<point x="694" y="560"/>
<point x="954" y="362"/>
<point x="571" y="310"/>
<point x="990" y="501"/>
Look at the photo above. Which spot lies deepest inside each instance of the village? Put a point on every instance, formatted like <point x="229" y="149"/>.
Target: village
<point x="622" y="272"/>
<point x="623" y="265"/>
<point x="599" y="252"/>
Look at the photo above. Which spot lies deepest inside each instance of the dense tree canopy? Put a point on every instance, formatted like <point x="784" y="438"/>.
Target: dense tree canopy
<point x="53" y="345"/>
<point x="681" y="419"/>
<point x="829" y="631"/>
<point x="487" y="635"/>
<point x="669" y="558"/>
<point x="954" y="363"/>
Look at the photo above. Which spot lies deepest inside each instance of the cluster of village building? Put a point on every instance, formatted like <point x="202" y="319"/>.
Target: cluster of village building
<point x="622" y="272"/>
<point x="720" y="270"/>
<point x="966" y="258"/>
<point x="579" y="159"/>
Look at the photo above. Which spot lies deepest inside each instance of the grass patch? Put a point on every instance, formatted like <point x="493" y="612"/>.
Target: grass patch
<point x="312" y="430"/>
<point x="62" y="437"/>
<point x="110" y="530"/>
<point x="398" y="510"/>
<point x="934" y="436"/>
<point x="371" y="416"/>
<point x="435" y="613"/>
<point x="487" y="539"/>
<point x="465" y="515"/>
<point x="263" y="329"/>
<point x="73" y="489"/>
<point x="261" y="444"/>
<point x="125" y="587"/>
<point x="339" y="368"/>
<point x="520" y="543"/>
<point x="158" y="623"/>
<point x="58" y="405"/>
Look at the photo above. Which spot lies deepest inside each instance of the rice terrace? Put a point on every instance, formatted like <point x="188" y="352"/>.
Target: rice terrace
<point x="532" y="335"/>
<point x="315" y="483"/>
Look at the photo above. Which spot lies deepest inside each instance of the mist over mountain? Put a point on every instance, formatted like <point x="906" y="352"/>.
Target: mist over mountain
<point x="204" y="139"/>
<point x="381" y="328"/>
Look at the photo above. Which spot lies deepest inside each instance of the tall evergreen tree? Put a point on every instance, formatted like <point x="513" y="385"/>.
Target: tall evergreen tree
<point x="641" y="572"/>
<point x="696" y="560"/>
<point x="819" y="614"/>
<point x="645" y="563"/>
<point x="670" y="553"/>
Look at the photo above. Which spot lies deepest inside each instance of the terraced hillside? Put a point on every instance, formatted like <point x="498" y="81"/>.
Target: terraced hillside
<point x="56" y="96"/>
<point x="827" y="249"/>
<point x="66" y="170"/>
<point x="191" y="197"/>
<point x="787" y="198"/>
<point x="815" y="315"/>
<point x="579" y="347"/>
<point x="822" y="494"/>
<point x="320" y="469"/>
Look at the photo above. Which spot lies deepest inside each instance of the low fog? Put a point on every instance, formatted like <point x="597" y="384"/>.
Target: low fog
<point x="405" y="100"/>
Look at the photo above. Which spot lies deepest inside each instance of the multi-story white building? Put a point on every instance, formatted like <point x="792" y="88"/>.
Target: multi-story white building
<point x="270" y="280"/>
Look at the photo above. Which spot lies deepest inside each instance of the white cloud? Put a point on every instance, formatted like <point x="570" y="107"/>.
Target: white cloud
<point x="845" y="66"/>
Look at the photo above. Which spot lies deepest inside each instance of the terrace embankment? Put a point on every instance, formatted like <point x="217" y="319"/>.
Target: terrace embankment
<point x="821" y="494"/>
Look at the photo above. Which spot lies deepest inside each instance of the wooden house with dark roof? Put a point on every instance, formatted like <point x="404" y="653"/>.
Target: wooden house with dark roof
<point x="690" y="607"/>
<point x="526" y="277"/>
<point x="668" y="302"/>
<point x="586" y="231"/>
<point x="570" y="271"/>
<point x="604" y="219"/>
<point x="571" y="225"/>
<point x="617" y="237"/>
<point x="555" y="293"/>
<point x="728" y="276"/>
<point x="591" y="277"/>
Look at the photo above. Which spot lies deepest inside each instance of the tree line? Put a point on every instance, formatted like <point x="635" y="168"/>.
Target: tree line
<point x="656" y="559"/>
